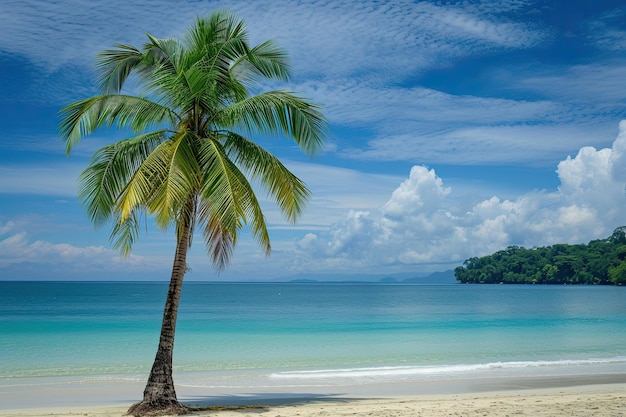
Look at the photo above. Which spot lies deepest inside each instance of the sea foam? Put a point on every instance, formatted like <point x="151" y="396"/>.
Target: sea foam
<point x="401" y="372"/>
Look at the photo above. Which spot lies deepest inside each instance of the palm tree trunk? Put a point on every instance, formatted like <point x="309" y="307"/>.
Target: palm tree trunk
<point x="159" y="396"/>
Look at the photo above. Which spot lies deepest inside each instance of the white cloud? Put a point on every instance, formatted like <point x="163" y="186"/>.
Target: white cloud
<point x="17" y="248"/>
<point x="354" y="38"/>
<point x="419" y="224"/>
<point x="7" y="227"/>
<point x="422" y="193"/>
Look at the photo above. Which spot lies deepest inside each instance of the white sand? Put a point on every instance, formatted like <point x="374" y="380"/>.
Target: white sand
<point x="588" y="400"/>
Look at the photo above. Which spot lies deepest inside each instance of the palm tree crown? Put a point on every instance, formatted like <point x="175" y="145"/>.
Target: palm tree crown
<point x="191" y="152"/>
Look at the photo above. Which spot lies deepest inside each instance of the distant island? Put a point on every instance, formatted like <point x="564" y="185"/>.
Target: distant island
<point x="600" y="262"/>
<point x="409" y="278"/>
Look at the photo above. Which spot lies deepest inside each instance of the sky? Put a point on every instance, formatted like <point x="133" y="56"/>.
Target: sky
<point x="456" y="129"/>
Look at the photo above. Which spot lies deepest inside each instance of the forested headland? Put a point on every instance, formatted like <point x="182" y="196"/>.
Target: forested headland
<point x="598" y="262"/>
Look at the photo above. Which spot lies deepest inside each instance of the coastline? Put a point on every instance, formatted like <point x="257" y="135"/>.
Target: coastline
<point x="572" y="395"/>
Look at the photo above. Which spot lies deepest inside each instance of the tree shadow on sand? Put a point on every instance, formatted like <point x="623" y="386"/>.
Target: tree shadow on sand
<point x="258" y="401"/>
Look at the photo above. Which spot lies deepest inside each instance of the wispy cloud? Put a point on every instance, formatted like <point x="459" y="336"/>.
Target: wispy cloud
<point x="591" y="84"/>
<point x="607" y="31"/>
<point x="344" y="38"/>
<point x="49" y="179"/>
<point x="352" y="102"/>
<point x="353" y="57"/>
<point x="348" y="38"/>
<point x="534" y="145"/>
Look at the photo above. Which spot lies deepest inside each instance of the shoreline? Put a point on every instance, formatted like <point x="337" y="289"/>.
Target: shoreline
<point x="572" y="395"/>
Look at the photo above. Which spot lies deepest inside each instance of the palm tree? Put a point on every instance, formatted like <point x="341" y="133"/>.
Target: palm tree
<point x="190" y="159"/>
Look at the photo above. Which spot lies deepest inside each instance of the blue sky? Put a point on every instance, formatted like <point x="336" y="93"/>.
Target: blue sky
<point x="457" y="129"/>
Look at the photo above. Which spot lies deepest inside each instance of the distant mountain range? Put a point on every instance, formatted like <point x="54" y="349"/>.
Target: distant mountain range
<point x="444" y="277"/>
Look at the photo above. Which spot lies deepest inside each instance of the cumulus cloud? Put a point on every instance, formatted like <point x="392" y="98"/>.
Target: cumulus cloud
<point x="17" y="248"/>
<point x="422" y="225"/>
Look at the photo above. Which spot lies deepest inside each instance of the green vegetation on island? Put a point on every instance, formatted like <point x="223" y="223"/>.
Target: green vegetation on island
<point x="599" y="262"/>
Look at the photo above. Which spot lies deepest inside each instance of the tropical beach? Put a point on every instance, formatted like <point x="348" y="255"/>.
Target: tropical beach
<point x="202" y="127"/>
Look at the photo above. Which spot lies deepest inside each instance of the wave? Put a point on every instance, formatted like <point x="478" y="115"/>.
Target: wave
<point x="440" y="370"/>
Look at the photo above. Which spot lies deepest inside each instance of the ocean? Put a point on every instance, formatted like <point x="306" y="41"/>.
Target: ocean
<point x="244" y="335"/>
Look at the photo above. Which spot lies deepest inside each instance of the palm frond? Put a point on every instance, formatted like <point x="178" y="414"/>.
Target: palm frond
<point x="218" y="33"/>
<point x="125" y="233"/>
<point x="282" y="185"/>
<point x="113" y="66"/>
<point x="228" y="196"/>
<point x="166" y="60"/>
<point x="264" y="61"/>
<point x="220" y="243"/>
<point x="215" y="43"/>
<point x="108" y="171"/>
<point x="141" y="187"/>
<point x="279" y="112"/>
<point x="162" y="53"/>
<point x="221" y="189"/>
<point x="180" y="181"/>
<point x="84" y="117"/>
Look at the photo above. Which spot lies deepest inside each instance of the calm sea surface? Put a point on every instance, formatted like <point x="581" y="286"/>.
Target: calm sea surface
<point x="290" y="334"/>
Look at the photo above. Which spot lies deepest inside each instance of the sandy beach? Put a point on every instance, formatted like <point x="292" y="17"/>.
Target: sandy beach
<point x="606" y="400"/>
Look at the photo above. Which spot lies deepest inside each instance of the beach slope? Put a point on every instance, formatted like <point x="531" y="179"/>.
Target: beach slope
<point x="596" y="400"/>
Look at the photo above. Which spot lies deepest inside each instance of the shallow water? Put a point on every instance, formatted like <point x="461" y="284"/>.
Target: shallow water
<point x="273" y="335"/>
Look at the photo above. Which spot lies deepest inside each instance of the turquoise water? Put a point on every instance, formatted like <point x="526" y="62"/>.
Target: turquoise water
<point x="289" y="334"/>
